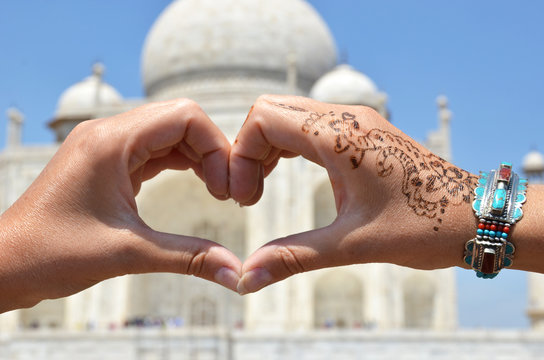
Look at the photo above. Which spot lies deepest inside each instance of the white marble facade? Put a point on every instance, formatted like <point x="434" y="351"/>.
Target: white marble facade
<point x="225" y="64"/>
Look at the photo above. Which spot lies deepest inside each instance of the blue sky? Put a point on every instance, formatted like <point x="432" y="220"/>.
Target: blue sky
<point x="486" y="56"/>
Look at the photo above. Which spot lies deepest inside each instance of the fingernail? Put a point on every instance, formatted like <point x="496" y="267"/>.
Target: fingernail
<point x="228" y="278"/>
<point x="254" y="280"/>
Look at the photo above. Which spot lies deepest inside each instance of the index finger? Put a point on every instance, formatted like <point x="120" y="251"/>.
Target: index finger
<point x="274" y="124"/>
<point x="159" y="126"/>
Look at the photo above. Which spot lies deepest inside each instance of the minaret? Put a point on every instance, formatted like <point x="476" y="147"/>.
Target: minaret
<point x="533" y="168"/>
<point x="444" y="117"/>
<point x="15" y="128"/>
<point x="438" y="141"/>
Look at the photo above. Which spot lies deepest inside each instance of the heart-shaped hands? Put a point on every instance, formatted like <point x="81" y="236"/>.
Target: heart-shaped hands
<point x="78" y="223"/>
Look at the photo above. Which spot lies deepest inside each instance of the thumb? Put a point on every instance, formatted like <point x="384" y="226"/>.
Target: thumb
<point x="279" y="259"/>
<point x="163" y="252"/>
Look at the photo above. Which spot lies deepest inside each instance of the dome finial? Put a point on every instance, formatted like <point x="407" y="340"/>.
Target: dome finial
<point x="292" y="73"/>
<point x="98" y="69"/>
<point x="344" y="57"/>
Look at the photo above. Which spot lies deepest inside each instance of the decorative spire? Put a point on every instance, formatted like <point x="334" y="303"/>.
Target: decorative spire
<point x="444" y="113"/>
<point x="444" y="117"/>
<point x="98" y="70"/>
<point x="292" y="73"/>
<point x="98" y="73"/>
<point x="438" y="141"/>
<point x="15" y="125"/>
<point x="344" y="57"/>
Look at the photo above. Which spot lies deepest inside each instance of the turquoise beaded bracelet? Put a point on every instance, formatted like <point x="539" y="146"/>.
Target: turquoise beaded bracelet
<point x="497" y="204"/>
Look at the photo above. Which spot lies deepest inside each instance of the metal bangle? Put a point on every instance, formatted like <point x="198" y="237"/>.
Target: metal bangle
<point x="497" y="204"/>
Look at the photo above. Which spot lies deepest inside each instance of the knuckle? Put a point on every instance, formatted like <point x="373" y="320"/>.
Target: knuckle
<point x="81" y="131"/>
<point x="137" y="157"/>
<point x="290" y="260"/>
<point x="89" y="136"/>
<point x="189" y="103"/>
<point x="264" y="98"/>
<point x="195" y="264"/>
<point x="367" y="111"/>
<point x="188" y="106"/>
<point x="264" y="101"/>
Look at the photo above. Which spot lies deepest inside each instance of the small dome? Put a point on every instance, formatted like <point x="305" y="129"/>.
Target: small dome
<point x="83" y="98"/>
<point x="345" y="85"/>
<point x="533" y="163"/>
<point x="226" y="38"/>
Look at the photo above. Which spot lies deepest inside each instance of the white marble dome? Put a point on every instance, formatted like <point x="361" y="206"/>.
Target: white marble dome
<point x="533" y="163"/>
<point x="345" y="85"/>
<point x="83" y="98"/>
<point x="193" y="39"/>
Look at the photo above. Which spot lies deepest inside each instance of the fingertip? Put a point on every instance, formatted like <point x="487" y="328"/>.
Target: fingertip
<point x="227" y="278"/>
<point x="254" y="280"/>
<point x="245" y="180"/>
<point x="215" y="171"/>
<point x="259" y="191"/>
<point x="221" y="197"/>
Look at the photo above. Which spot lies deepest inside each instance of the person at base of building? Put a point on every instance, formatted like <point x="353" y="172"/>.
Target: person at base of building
<point x="78" y="223"/>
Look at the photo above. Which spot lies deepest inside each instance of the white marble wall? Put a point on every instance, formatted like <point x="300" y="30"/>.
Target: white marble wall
<point x="212" y="345"/>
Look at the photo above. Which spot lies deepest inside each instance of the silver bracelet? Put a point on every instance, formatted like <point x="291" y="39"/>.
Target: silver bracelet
<point x="497" y="204"/>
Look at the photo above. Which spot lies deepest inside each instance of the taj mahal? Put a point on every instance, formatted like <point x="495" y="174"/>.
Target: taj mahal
<point x="371" y="311"/>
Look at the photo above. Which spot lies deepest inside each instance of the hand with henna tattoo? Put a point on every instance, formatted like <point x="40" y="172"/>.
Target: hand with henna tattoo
<point x="396" y="201"/>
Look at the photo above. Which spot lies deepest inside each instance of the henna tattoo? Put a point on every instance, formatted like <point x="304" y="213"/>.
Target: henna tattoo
<point x="290" y="107"/>
<point x="429" y="182"/>
<point x="310" y="122"/>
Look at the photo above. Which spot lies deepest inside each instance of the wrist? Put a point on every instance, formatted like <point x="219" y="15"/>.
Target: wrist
<point x="497" y="204"/>
<point x="459" y="227"/>
<point x="527" y="235"/>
